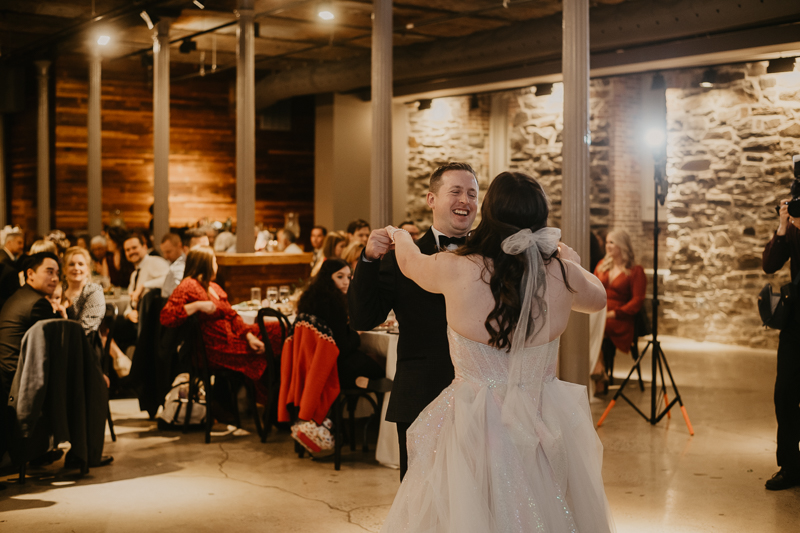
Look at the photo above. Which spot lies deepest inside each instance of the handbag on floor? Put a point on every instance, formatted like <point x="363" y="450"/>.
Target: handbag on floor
<point x="173" y="411"/>
<point x="775" y="309"/>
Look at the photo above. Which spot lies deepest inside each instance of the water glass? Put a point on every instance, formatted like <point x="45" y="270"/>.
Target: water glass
<point x="272" y="295"/>
<point x="255" y="296"/>
<point x="284" y="294"/>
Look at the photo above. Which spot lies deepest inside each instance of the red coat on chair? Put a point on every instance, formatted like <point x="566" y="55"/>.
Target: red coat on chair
<point x="309" y="378"/>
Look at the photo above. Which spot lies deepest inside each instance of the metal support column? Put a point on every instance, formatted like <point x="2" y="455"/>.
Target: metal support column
<point x="245" y="129"/>
<point x="575" y="174"/>
<point x="381" y="161"/>
<point x="43" y="151"/>
<point x="161" y="129"/>
<point x="94" y="171"/>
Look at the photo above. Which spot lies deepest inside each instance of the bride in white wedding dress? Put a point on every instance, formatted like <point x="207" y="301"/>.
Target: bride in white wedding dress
<point x="506" y="447"/>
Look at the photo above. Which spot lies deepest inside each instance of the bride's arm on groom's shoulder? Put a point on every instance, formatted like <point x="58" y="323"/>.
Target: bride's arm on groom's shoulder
<point x="589" y="295"/>
<point x="430" y="272"/>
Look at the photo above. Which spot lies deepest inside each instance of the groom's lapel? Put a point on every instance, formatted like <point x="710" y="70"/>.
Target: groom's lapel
<point x="427" y="243"/>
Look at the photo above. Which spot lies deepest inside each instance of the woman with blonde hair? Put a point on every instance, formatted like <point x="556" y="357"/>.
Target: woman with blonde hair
<point x="352" y="253"/>
<point x="625" y="285"/>
<point x="86" y="302"/>
<point x="332" y="246"/>
<point x="229" y="342"/>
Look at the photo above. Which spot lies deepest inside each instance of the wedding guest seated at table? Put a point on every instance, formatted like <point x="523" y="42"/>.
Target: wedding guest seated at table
<point x="84" y="299"/>
<point x="13" y="247"/>
<point x="325" y="298"/>
<point x="150" y="272"/>
<point x="191" y="238"/>
<point x="83" y="241"/>
<point x="287" y="242"/>
<point x="317" y="238"/>
<point x="119" y="269"/>
<point x="98" y="247"/>
<point x="27" y="306"/>
<point x="43" y="246"/>
<point x="333" y="246"/>
<point x="9" y="282"/>
<point x="352" y="253"/>
<point x="411" y="228"/>
<point x="358" y="230"/>
<point x="625" y="285"/>
<point x="229" y="342"/>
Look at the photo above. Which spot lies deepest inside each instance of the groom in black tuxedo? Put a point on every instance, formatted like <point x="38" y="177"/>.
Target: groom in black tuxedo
<point x="424" y="368"/>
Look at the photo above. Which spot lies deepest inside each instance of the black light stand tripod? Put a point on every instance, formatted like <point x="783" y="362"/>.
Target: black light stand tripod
<point x="659" y="359"/>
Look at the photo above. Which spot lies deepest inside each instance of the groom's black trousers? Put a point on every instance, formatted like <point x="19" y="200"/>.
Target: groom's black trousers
<point x="787" y="397"/>
<point x="402" y="430"/>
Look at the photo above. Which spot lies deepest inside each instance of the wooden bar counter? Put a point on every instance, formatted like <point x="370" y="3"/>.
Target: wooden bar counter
<point x="238" y="273"/>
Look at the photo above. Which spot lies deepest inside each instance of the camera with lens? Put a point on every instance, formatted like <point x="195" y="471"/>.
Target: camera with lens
<point x="794" y="203"/>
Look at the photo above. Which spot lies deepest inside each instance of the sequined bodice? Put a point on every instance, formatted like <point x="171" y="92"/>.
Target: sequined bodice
<point x="480" y="363"/>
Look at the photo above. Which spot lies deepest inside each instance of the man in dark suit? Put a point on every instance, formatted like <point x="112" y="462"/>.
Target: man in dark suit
<point x="13" y="246"/>
<point x="424" y="368"/>
<point x="26" y="306"/>
<point x="9" y="282"/>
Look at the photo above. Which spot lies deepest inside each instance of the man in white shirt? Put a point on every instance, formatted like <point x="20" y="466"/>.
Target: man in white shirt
<point x="190" y="239"/>
<point x="317" y="237"/>
<point x="150" y="272"/>
<point x="286" y="242"/>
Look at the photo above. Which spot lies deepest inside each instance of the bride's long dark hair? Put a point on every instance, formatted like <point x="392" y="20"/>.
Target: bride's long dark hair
<point x="514" y="201"/>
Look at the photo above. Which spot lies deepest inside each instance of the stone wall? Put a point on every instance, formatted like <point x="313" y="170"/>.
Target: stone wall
<point x="453" y="129"/>
<point x="536" y="123"/>
<point x="729" y="163"/>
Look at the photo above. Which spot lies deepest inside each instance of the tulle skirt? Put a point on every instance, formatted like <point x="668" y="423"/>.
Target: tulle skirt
<point x="471" y="471"/>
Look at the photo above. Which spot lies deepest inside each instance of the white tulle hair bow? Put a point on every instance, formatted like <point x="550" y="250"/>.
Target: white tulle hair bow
<point x="545" y="239"/>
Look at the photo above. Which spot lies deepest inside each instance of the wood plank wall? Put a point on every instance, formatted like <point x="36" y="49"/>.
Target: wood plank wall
<point x="202" y="152"/>
<point x="21" y="162"/>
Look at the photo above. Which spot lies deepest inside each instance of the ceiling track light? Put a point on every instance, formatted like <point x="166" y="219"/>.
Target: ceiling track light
<point x="199" y="4"/>
<point x="103" y="40"/>
<point x="709" y="78"/>
<point x="659" y="83"/>
<point x="187" y="46"/>
<point x="781" y="64"/>
<point x="325" y="11"/>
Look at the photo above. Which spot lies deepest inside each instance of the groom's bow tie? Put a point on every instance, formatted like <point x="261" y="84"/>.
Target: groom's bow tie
<point x="445" y="241"/>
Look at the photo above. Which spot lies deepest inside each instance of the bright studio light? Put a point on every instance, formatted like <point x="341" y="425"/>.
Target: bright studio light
<point x="103" y="40"/>
<point x="655" y="137"/>
<point x="325" y="11"/>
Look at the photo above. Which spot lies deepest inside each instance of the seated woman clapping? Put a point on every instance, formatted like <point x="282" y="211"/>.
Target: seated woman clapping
<point x="325" y="298"/>
<point x="625" y="285"/>
<point x="229" y="342"/>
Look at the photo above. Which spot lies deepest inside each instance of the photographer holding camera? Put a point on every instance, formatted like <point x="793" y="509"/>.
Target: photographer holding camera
<point x="785" y="244"/>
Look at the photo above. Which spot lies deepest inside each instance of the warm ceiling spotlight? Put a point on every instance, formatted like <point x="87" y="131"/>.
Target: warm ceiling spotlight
<point x="655" y="137"/>
<point x="781" y="64"/>
<point x="103" y="40"/>
<point x="709" y="78"/>
<point x="659" y="83"/>
<point x="424" y="104"/>
<point x="199" y="4"/>
<point x="325" y="11"/>
<point x="187" y="46"/>
<point x="147" y="20"/>
<point x="543" y="89"/>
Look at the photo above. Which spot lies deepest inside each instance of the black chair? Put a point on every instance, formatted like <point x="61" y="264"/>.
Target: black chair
<point x="106" y="362"/>
<point x="273" y="363"/>
<point x="640" y="328"/>
<point x="199" y="368"/>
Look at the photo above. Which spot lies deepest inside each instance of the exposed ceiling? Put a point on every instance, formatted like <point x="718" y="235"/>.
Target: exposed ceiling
<point x="439" y="44"/>
<point x="290" y="33"/>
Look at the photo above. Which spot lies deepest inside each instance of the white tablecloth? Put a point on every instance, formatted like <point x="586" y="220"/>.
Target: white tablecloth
<point x="388" y="450"/>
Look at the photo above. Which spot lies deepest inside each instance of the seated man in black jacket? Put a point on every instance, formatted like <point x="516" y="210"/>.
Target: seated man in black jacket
<point x="22" y="310"/>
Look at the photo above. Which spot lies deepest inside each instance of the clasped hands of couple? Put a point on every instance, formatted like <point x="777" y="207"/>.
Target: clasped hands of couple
<point x="381" y="241"/>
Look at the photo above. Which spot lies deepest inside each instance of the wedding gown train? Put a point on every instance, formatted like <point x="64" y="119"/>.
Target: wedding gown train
<point x="486" y="457"/>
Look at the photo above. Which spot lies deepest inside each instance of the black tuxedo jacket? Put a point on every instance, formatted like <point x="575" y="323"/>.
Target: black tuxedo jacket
<point x="424" y="368"/>
<point x="9" y="282"/>
<point x="26" y="307"/>
<point x="5" y="258"/>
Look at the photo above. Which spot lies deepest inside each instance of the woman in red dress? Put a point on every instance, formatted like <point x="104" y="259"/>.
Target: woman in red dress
<point x="229" y="342"/>
<point x="625" y="285"/>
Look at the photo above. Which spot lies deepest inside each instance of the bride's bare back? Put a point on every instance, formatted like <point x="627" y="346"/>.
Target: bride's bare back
<point x="464" y="282"/>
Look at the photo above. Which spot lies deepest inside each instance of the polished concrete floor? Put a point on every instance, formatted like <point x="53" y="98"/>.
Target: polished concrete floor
<point x="658" y="478"/>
